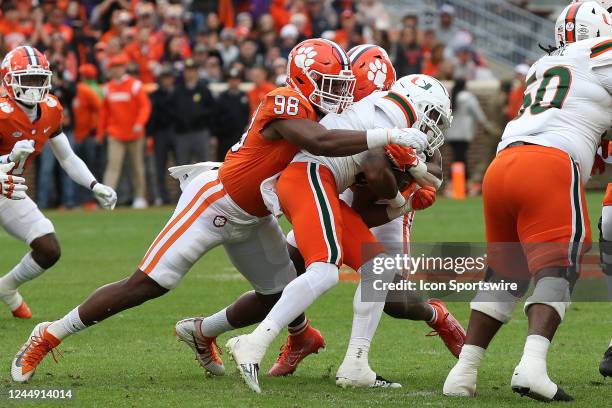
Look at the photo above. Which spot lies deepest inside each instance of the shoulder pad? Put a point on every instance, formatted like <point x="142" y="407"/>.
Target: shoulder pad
<point x="400" y="109"/>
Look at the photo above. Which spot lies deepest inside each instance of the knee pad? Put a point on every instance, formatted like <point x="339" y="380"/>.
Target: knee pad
<point x="605" y="247"/>
<point x="497" y="304"/>
<point x="494" y="303"/>
<point x="322" y="277"/>
<point x="553" y="292"/>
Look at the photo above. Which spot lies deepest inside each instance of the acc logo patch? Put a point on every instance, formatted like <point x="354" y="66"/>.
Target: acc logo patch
<point x="219" y="221"/>
<point x="51" y="102"/>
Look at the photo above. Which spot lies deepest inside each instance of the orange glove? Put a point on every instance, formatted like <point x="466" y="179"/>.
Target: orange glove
<point x="402" y="157"/>
<point x="599" y="165"/>
<point x="423" y="198"/>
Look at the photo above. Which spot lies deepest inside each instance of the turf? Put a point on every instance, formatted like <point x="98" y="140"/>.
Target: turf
<point x="132" y="360"/>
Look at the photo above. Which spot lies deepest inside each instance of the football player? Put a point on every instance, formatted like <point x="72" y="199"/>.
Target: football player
<point x="226" y="207"/>
<point x="604" y="157"/>
<point x="534" y="197"/>
<point x="11" y="187"/>
<point x="373" y="71"/>
<point x="308" y="192"/>
<point x="29" y="118"/>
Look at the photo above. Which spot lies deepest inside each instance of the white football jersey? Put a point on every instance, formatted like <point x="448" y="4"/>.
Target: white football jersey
<point x="568" y="101"/>
<point x="380" y="110"/>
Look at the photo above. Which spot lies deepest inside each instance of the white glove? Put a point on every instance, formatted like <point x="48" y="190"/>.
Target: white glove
<point x="105" y="195"/>
<point x="21" y="150"/>
<point x="408" y="138"/>
<point x="11" y="187"/>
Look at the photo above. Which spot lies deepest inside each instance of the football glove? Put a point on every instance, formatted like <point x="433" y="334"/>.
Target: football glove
<point x="11" y="187"/>
<point x="105" y="195"/>
<point x="21" y="150"/>
<point x="423" y="198"/>
<point x="409" y="138"/>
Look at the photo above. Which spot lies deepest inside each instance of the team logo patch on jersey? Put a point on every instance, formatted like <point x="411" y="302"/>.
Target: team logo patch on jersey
<point x="219" y="221"/>
<point x="304" y="57"/>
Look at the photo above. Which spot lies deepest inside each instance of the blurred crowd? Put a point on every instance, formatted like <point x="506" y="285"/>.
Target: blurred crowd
<point x="147" y="84"/>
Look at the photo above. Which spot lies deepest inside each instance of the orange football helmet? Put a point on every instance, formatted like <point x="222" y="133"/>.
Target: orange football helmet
<point x="26" y="75"/>
<point x="372" y="68"/>
<point x="320" y="70"/>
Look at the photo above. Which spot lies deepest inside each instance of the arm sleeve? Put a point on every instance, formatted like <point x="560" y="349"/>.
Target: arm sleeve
<point x="70" y="162"/>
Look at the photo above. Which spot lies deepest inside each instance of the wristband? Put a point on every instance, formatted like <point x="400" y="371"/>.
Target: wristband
<point x="377" y="138"/>
<point x="93" y="184"/>
<point x="5" y="159"/>
<point x="393" y="213"/>
<point x="397" y="201"/>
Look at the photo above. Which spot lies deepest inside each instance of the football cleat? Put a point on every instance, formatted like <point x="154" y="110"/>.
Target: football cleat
<point x="527" y="383"/>
<point x="447" y="327"/>
<point x="605" y="367"/>
<point x="354" y="374"/>
<point x="189" y="331"/>
<point x="245" y="353"/>
<point x="23" y="311"/>
<point x="460" y="381"/>
<point x="33" y="351"/>
<point x="15" y="302"/>
<point x="297" y="348"/>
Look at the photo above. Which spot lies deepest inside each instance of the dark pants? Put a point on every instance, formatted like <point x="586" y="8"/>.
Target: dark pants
<point x="46" y="179"/>
<point x="164" y="144"/>
<point x="460" y="149"/>
<point x="192" y="147"/>
<point x="225" y="144"/>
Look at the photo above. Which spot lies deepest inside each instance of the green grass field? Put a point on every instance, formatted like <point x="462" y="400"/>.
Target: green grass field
<point x="132" y="360"/>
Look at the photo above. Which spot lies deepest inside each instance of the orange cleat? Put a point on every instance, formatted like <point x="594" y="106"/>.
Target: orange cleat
<point x="33" y="351"/>
<point x="297" y="348"/>
<point x="447" y="327"/>
<point x="23" y="311"/>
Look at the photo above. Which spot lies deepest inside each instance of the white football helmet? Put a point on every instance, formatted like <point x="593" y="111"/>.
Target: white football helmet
<point x="582" y="20"/>
<point x="607" y="4"/>
<point x="433" y="103"/>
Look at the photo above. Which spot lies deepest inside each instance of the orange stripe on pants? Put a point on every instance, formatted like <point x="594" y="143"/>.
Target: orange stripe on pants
<point x="177" y="234"/>
<point x="176" y="219"/>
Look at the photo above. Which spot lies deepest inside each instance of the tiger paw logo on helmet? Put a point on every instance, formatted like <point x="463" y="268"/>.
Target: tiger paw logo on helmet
<point x="304" y="57"/>
<point x="377" y="73"/>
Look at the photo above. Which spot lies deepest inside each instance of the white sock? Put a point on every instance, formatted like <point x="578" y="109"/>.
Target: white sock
<point x="297" y="296"/>
<point x="366" y="316"/>
<point x="610" y="343"/>
<point x="606" y="222"/>
<point x="536" y="347"/>
<point x="26" y="270"/>
<point x="217" y="324"/>
<point x="357" y="351"/>
<point x="471" y="356"/>
<point x="67" y="325"/>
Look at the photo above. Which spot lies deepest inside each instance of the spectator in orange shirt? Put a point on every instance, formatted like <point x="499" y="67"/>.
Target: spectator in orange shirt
<point x="120" y="20"/>
<point x="56" y="24"/>
<point x="124" y="114"/>
<point x="259" y="76"/>
<point x="516" y="95"/>
<point x="145" y="52"/>
<point x="86" y="109"/>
